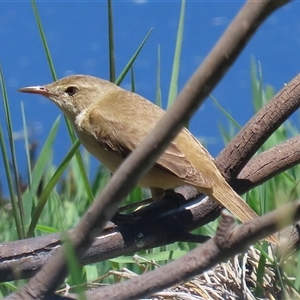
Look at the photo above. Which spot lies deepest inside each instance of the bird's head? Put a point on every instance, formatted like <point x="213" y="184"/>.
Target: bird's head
<point x="74" y="93"/>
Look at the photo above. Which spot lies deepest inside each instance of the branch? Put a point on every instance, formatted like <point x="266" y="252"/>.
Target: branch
<point x="259" y="128"/>
<point x="230" y="239"/>
<point x="269" y="164"/>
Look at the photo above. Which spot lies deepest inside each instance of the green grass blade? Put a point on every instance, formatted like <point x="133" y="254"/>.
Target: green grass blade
<point x="39" y="171"/>
<point x="224" y="111"/>
<point x="83" y="173"/>
<point x="256" y="85"/>
<point x="43" y="158"/>
<point x="176" y="62"/>
<point x="26" y="146"/>
<point x="133" y="58"/>
<point x="80" y="163"/>
<point x="75" y="269"/>
<point x="69" y="126"/>
<point x="261" y="95"/>
<point x="157" y="257"/>
<point x="226" y="134"/>
<point x="47" y="229"/>
<point x="132" y="79"/>
<point x="260" y="272"/>
<point x="21" y="230"/>
<point x="9" y="286"/>
<point x="158" y="88"/>
<point x="111" y="50"/>
<point x="44" y="41"/>
<point x="49" y="187"/>
<point x="101" y="179"/>
<point x="297" y="279"/>
<point x="9" y="178"/>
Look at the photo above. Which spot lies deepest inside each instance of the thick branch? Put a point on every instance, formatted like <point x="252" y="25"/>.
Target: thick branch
<point x="268" y="164"/>
<point x="259" y="128"/>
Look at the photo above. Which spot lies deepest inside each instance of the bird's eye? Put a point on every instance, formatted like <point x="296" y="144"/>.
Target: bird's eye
<point x="71" y="90"/>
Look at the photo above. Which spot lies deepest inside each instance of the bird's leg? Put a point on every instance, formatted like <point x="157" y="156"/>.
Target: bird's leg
<point x="157" y="194"/>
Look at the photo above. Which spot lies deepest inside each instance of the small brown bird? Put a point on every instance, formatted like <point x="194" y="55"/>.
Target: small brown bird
<point x="110" y="122"/>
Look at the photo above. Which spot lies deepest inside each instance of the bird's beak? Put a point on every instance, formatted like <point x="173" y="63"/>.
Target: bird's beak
<point x="41" y="90"/>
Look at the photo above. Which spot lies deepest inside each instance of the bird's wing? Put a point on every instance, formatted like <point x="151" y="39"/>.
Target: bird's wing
<point x="119" y="132"/>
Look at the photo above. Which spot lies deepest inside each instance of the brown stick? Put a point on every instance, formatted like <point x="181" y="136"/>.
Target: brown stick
<point x="259" y="128"/>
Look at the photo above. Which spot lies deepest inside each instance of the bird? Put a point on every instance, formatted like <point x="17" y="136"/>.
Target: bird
<point x="111" y="122"/>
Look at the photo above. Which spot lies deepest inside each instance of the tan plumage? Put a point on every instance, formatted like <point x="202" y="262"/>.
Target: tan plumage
<point x="111" y="122"/>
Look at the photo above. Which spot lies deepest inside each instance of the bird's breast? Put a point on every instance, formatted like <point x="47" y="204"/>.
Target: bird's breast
<point x="110" y="159"/>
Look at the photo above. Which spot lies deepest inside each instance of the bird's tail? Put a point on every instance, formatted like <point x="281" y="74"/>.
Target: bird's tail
<point x="227" y="197"/>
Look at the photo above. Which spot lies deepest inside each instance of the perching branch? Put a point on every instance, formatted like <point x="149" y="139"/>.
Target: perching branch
<point x="230" y="239"/>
